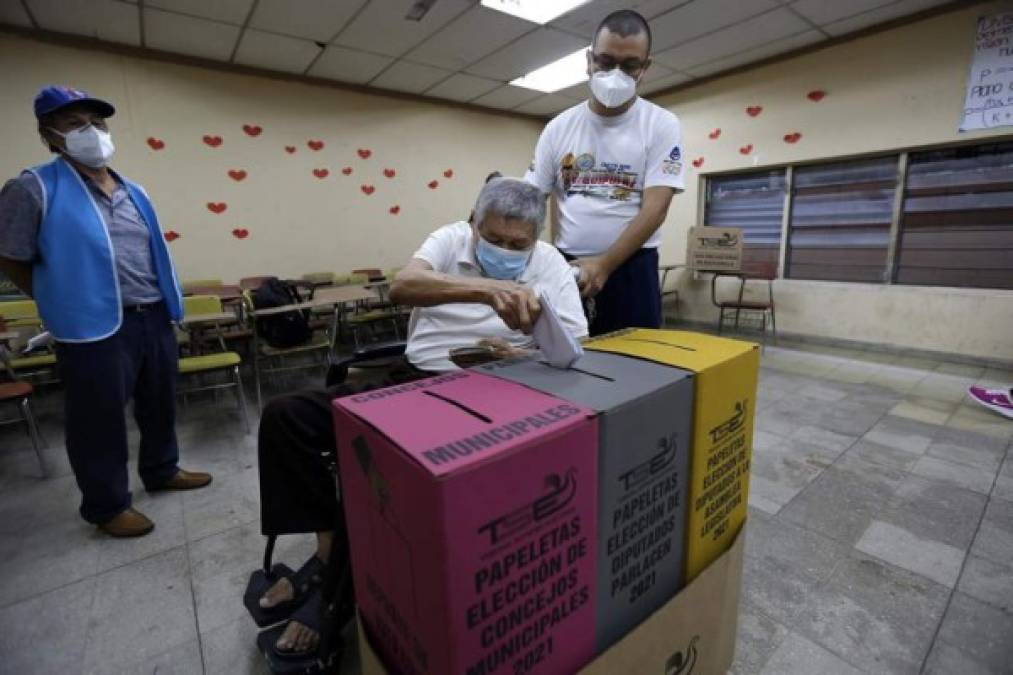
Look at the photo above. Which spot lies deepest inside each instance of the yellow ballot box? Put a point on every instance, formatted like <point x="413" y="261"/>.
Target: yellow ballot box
<point x="723" y="410"/>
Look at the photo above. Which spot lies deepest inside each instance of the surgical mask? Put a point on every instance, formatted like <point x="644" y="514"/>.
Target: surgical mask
<point x="89" y="145"/>
<point x="613" y="87"/>
<point x="501" y="263"/>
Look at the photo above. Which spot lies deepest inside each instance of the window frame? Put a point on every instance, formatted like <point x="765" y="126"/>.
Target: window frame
<point x="890" y="269"/>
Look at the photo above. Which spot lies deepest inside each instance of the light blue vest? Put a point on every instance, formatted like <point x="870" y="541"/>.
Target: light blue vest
<point x="74" y="279"/>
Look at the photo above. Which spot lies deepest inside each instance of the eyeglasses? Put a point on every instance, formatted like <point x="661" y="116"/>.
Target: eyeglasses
<point x="631" y="67"/>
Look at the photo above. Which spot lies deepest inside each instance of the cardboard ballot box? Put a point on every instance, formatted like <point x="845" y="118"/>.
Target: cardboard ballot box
<point x="470" y="503"/>
<point x="724" y="406"/>
<point x="692" y="634"/>
<point x="643" y="462"/>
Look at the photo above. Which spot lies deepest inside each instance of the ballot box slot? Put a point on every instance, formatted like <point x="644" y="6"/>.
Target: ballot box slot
<point x="458" y="404"/>
<point x="581" y="371"/>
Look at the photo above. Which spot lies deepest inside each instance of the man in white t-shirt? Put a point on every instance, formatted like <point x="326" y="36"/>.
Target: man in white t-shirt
<point x="612" y="165"/>
<point x="469" y="284"/>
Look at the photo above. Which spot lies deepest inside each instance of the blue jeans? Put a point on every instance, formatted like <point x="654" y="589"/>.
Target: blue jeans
<point x="139" y="361"/>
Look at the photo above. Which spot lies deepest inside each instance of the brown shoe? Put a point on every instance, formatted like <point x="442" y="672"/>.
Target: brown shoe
<point x="129" y="523"/>
<point x="184" y="480"/>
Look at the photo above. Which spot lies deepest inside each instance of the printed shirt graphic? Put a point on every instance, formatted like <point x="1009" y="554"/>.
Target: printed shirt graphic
<point x="598" y="168"/>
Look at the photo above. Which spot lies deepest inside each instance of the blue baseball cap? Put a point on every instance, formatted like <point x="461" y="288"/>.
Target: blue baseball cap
<point x="52" y="98"/>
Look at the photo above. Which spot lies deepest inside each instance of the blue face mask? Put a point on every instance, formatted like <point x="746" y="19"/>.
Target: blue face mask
<point x="501" y="263"/>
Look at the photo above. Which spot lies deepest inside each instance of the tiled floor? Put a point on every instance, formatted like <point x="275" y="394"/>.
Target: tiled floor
<point x="880" y="537"/>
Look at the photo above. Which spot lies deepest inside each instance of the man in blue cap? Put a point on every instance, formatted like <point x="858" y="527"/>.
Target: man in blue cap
<point x="85" y="243"/>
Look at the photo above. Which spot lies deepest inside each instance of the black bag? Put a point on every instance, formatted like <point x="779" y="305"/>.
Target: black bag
<point x="286" y="329"/>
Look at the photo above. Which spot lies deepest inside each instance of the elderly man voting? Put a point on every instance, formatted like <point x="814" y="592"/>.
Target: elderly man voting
<point x="468" y="284"/>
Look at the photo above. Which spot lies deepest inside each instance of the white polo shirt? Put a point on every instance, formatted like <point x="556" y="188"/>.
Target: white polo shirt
<point x="598" y="168"/>
<point x="433" y="331"/>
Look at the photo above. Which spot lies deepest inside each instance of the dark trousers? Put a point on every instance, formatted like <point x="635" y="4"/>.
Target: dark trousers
<point x="298" y="456"/>
<point x="631" y="298"/>
<point x="139" y="361"/>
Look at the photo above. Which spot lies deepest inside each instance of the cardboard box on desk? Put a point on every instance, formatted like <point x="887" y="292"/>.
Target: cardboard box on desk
<point x="644" y="431"/>
<point x="725" y="401"/>
<point x="470" y="503"/>
<point x="692" y="634"/>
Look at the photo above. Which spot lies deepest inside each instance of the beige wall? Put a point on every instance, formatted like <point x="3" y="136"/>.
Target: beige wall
<point x="297" y="223"/>
<point x="897" y="89"/>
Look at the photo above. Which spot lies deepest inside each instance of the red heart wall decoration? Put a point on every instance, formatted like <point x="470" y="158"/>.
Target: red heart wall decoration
<point x="448" y="173"/>
<point x="433" y="184"/>
<point x="155" y="143"/>
<point x="315" y="145"/>
<point x="364" y="153"/>
<point x="367" y="189"/>
<point x="746" y="149"/>
<point x="394" y="210"/>
<point x="240" y="233"/>
<point x="290" y="149"/>
<point x="816" y="95"/>
<point x="792" y="137"/>
<point x="714" y="134"/>
<point x="212" y="141"/>
<point x="171" y="236"/>
<point x="347" y="171"/>
<point x="754" y="110"/>
<point x="252" y="129"/>
<point x="237" y="174"/>
<point x="389" y="173"/>
<point x="698" y="162"/>
<point x="321" y="173"/>
<point x="217" y="207"/>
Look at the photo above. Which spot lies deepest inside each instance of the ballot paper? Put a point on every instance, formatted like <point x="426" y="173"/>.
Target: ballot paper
<point x="559" y="348"/>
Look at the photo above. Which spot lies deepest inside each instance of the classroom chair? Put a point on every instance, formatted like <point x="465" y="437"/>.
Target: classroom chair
<point x="264" y="355"/>
<point x="252" y="283"/>
<point x="319" y="278"/>
<point x="191" y="285"/>
<point x="221" y="361"/>
<point x="740" y="303"/>
<point x="23" y="317"/>
<point x="20" y="393"/>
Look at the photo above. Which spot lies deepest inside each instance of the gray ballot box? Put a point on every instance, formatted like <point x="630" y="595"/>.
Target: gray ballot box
<point x="645" y="424"/>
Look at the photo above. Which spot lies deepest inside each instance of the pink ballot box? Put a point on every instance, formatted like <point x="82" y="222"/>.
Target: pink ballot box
<point x="471" y="507"/>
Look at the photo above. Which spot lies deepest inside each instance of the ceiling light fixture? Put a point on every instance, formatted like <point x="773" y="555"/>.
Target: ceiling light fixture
<point x="557" y="75"/>
<point x="536" y="11"/>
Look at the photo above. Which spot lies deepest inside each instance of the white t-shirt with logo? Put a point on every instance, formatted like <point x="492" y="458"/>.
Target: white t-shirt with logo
<point x="434" y="331"/>
<point x="598" y="168"/>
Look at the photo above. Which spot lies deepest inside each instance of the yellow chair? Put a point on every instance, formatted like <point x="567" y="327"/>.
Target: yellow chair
<point x="20" y="314"/>
<point x="201" y="283"/>
<point x="23" y="316"/>
<point x="224" y="360"/>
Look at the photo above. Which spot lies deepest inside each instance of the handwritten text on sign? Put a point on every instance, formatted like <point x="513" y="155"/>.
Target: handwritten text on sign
<point x="989" y="101"/>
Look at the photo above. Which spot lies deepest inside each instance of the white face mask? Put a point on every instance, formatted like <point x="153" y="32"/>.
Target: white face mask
<point x="89" y="145"/>
<point x="613" y="87"/>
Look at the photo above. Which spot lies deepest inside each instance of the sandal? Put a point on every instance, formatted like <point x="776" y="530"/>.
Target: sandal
<point x="322" y="658"/>
<point x="304" y="581"/>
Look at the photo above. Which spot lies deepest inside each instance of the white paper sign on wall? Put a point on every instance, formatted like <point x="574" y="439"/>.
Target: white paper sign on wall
<point x="989" y="101"/>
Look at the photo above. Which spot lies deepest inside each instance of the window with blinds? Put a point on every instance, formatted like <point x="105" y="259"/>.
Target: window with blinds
<point x="754" y="202"/>
<point x="840" y="220"/>
<point x="957" y="220"/>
